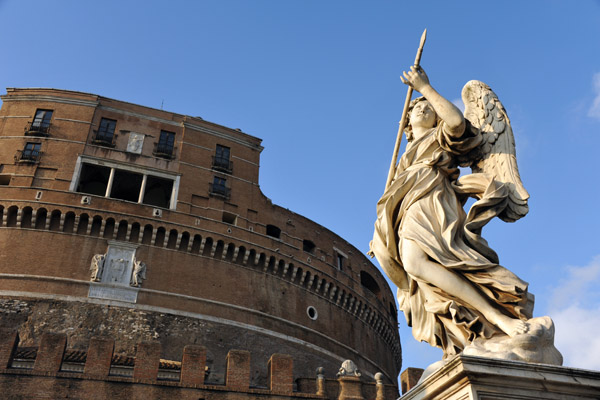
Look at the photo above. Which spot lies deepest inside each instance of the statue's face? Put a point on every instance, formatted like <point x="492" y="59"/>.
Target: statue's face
<point x="422" y="115"/>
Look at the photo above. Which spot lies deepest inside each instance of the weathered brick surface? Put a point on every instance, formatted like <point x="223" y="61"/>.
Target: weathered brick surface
<point x="147" y="359"/>
<point x="50" y="352"/>
<point x="281" y="373"/>
<point x="99" y="356"/>
<point x="238" y="370"/>
<point x="9" y="340"/>
<point x="409" y="378"/>
<point x="193" y="365"/>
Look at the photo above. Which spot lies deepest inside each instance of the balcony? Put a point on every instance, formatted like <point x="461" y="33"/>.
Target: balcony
<point x="104" y="138"/>
<point x="222" y="164"/>
<point x="164" y="151"/>
<point x="219" y="191"/>
<point x="37" y="128"/>
<point x="28" y="156"/>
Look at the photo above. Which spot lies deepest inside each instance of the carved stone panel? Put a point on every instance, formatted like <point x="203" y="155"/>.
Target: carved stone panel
<point x="136" y="142"/>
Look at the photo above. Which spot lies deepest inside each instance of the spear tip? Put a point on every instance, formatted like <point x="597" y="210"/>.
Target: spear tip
<point x="423" y="37"/>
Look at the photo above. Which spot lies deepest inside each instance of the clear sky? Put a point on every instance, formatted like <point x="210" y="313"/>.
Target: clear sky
<point x="318" y="81"/>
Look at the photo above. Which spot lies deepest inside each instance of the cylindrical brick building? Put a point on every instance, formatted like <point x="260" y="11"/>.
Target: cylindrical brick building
<point x="138" y="223"/>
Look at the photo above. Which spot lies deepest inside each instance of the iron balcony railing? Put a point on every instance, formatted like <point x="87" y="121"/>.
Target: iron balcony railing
<point x="219" y="191"/>
<point x="28" y="155"/>
<point x="164" y="150"/>
<point x="222" y="164"/>
<point x="104" y="138"/>
<point x="37" y="128"/>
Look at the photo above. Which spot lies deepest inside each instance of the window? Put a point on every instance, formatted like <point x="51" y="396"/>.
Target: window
<point x="340" y="261"/>
<point x="41" y="122"/>
<point x="273" y="231"/>
<point x="229" y="218"/>
<point x="106" y="132"/>
<point x="221" y="160"/>
<point x="31" y="152"/>
<point x="136" y="185"/>
<point x="369" y="283"/>
<point x="219" y="187"/>
<point x="308" y="246"/>
<point x="164" y="148"/>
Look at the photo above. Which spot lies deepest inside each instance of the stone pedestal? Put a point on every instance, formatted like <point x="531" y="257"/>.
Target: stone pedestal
<point x="476" y="378"/>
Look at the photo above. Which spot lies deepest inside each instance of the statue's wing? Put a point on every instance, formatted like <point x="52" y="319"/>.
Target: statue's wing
<point x="496" y="155"/>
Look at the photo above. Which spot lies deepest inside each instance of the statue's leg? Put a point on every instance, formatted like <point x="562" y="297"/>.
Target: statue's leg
<point x="418" y="265"/>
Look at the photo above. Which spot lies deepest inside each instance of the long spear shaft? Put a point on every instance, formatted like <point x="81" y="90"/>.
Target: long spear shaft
<point x="403" y="120"/>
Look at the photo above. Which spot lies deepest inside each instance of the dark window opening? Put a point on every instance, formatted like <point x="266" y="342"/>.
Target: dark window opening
<point x="229" y="218"/>
<point x="31" y="152"/>
<point x="158" y="192"/>
<point x="340" y="261"/>
<point x="41" y="123"/>
<point x="106" y="132"/>
<point x="5" y="180"/>
<point x="273" y="231"/>
<point x="221" y="159"/>
<point x="165" y="145"/>
<point x="219" y="187"/>
<point x="126" y="185"/>
<point x="369" y="283"/>
<point x="308" y="246"/>
<point x="93" y="179"/>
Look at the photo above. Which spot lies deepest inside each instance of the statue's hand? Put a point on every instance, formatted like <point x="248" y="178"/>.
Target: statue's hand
<point x="416" y="78"/>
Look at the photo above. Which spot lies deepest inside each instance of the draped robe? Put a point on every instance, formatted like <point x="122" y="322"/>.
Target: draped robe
<point x="424" y="203"/>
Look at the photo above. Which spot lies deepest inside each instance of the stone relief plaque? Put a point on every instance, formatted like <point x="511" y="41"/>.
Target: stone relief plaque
<point x="117" y="275"/>
<point x="136" y="142"/>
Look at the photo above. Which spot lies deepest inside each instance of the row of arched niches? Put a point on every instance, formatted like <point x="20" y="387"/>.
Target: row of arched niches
<point x="205" y="244"/>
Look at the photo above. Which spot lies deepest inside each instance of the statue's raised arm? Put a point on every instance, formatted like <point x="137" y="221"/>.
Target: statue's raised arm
<point x="451" y="287"/>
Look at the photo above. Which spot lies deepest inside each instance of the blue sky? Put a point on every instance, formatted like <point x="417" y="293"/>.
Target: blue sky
<point x="318" y="81"/>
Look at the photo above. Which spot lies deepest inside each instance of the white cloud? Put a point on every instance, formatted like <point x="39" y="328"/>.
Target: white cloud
<point x="594" y="110"/>
<point x="575" y="310"/>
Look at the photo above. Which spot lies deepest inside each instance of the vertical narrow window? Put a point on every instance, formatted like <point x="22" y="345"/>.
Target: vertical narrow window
<point x="106" y="132"/>
<point x="165" y="145"/>
<point x="31" y="152"/>
<point x="221" y="159"/>
<point x="41" y="122"/>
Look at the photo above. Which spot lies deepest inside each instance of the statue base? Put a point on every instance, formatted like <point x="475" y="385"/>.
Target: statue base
<point x="475" y="378"/>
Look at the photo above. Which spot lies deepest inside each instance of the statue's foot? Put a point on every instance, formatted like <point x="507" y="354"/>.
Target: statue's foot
<point x="512" y="326"/>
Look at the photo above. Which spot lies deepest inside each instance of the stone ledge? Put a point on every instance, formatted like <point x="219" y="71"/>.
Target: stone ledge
<point x="468" y="377"/>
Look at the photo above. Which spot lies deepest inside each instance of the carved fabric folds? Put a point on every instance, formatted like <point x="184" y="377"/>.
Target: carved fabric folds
<point x="424" y="203"/>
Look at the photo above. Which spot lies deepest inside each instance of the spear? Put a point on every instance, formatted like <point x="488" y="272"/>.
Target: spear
<point x="403" y="120"/>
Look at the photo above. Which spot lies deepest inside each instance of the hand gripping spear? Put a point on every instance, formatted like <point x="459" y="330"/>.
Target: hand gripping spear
<point x="403" y="120"/>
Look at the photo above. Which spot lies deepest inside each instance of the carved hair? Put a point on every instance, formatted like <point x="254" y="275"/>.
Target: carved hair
<point x="408" y="128"/>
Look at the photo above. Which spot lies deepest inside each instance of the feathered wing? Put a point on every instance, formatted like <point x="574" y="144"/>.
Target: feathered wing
<point x="496" y="155"/>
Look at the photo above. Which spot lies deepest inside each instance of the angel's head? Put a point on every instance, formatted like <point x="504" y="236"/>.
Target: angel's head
<point x="420" y="114"/>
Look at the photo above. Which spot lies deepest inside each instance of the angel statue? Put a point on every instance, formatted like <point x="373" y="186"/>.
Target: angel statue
<point x="451" y="288"/>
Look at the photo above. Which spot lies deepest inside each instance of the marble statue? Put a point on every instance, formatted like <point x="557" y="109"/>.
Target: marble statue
<point x="139" y="273"/>
<point x="97" y="266"/>
<point x="451" y="287"/>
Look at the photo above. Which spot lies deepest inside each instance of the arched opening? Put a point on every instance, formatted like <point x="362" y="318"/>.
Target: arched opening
<point x="134" y="235"/>
<point x="40" y="218"/>
<point x="368" y="282"/>
<point x="159" y="241"/>
<point x="196" y="244"/>
<point x="251" y="258"/>
<point x="219" y="249"/>
<point x="207" y="247"/>
<point x="147" y="235"/>
<point x="69" y="223"/>
<point x="241" y="254"/>
<point x="230" y="251"/>
<point x="55" y="220"/>
<point x="184" y="241"/>
<point x="122" y="230"/>
<point x="109" y="228"/>
<point x="172" y="242"/>
<point x="84" y="220"/>
<point x="26" y="215"/>
<point x="96" y="225"/>
<point x="11" y="219"/>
